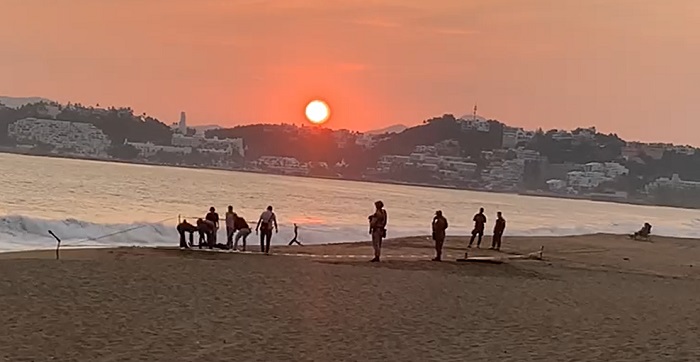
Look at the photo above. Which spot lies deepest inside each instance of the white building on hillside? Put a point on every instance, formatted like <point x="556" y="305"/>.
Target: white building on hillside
<point x="148" y="149"/>
<point x="674" y="182"/>
<point x="69" y="137"/>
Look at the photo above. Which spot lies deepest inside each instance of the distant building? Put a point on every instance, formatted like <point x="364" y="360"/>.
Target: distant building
<point x="182" y="126"/>
<point x="475" y="124"/>
<point x="225" y="146"/>
<point x="65" y="136"/>
<point x="674" y="183"/>
<point x="148" y="149"/>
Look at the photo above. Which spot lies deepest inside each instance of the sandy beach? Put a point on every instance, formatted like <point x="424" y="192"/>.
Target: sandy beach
<point x="592" y="298"/>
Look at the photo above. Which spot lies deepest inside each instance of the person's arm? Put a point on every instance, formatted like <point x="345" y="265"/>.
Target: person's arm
<point x="274" y="221"/>
<point x="446" y="224"/>
<point x="257" y="227"/>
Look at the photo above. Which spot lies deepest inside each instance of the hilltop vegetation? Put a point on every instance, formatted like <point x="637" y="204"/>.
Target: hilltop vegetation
<point x="357" y="152"/>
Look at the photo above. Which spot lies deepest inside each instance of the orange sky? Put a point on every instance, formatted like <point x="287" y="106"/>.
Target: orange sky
<point x="626" y="66"/>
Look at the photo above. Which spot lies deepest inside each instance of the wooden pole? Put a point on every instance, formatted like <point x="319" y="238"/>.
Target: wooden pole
<point x="58" y="243"/>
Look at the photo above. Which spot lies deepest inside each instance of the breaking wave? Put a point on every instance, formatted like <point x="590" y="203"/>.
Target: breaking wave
<point x="19" y="232"/>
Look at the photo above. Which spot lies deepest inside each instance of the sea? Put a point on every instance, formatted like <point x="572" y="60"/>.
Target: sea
<point x="100" y="204"/>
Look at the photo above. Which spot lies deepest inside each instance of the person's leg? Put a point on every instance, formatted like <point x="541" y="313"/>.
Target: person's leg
<point x="439" y="241"/>
<point x="376" y="245"/>
<point x="183" y="242"/>
<point x="236" y="238"/>
<point x="245" y="236"/>
<point x="191" y="238"/>
<point x="262" y="241"/>
<point x="481" y="234"/>
<point x="229" y="237"/>
<point x="471" y="241"/>
<point x="268" y="239"/>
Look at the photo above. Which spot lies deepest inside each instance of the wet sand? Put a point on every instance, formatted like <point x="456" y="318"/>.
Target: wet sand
<point x="592" y="298"/>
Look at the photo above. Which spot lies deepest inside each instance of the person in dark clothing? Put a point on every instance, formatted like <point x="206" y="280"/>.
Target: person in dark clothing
<point x="479" y="225"/>
<point x="240" y="225"/>
<point x="439" y="226"/>
<point x="643" y="233"/>
<point x="498" y="230"/>
<point x="265" y="223"/>
<point x="185" y="227"/>
<point x="213" y="216"/>
<point x="206" y="230"/>
<point x="296" y="235"/>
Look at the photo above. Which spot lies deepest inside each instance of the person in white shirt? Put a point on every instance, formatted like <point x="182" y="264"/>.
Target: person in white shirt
<point x="230" y="229"/>
<point x="265" y="223"/>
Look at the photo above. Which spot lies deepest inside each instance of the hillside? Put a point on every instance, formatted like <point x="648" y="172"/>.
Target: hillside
<point x="16" y="102"/>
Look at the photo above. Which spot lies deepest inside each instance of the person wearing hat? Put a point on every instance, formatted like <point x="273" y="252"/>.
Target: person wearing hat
<point x="439" y="227"/>
<point x="377" y="228"/>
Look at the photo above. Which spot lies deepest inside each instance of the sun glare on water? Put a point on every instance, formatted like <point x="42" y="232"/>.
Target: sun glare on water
<point x="317" y="112"/>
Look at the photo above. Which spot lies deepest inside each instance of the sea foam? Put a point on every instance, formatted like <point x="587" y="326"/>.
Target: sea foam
<point x="19" y="232"/>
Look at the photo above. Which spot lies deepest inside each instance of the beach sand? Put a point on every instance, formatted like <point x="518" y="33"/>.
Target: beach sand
<point x="592" y="298"/>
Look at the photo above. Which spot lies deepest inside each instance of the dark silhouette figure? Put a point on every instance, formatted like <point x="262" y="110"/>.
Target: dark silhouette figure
<point x="296" y="235"/>
<point x="643" y="233"/>
<point x="213" y="217"/>
<point x="206" y="229"/>
<point x="439" y="226"/>
<point x="265" y="223"/>
<point x="185" y="227"/>
<point x="479" y="225"/>
<point x="377" y="228"/>
<point x="498" y="230"/>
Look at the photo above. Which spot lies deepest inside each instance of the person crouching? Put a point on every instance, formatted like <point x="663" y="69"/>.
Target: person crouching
<point x="206" y="230"/>
<point x="185" y="227"/>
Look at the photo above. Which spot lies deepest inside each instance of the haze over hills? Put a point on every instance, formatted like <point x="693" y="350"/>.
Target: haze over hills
<point x="16" y="102"/>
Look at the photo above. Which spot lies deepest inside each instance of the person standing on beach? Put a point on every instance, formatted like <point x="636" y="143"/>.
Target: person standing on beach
<point x="479" y="225"/>
<point x="230" y="229"/>
<point x="498" y="230"/>
<point x="241" y="225"/>
<point x="296" y="235"/>
<point x="265" y="223"/>
<point x="439" y="232"/>
<point x="377" y="228"/>
<point x="213" y="216"/>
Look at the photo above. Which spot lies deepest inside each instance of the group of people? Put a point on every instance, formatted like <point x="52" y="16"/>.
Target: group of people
<point x="237" y="229"/>
<point x="378" y="223"/>
<point x="440" y="225"/>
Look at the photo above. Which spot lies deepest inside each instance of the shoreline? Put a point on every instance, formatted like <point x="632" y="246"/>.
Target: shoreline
<point x="525" y="193"/>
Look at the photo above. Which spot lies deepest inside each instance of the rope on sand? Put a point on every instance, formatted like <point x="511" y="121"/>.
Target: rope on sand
<point x="535" y="255"/>
<point x="79" y="243"/>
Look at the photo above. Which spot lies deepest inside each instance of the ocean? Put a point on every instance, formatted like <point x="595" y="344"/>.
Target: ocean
<point x="91" y="203"/>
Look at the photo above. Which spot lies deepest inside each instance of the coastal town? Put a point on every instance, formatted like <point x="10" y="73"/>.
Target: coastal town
<point x="467" y="152"/>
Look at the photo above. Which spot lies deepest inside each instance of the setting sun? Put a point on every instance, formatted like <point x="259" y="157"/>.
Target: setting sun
<point x="317" y="111"/>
